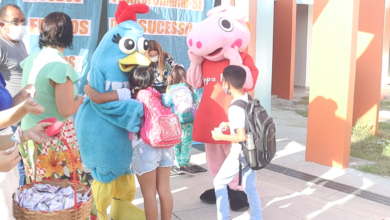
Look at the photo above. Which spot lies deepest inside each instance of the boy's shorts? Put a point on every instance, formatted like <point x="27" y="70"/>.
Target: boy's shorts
<point x="147" y="158"/>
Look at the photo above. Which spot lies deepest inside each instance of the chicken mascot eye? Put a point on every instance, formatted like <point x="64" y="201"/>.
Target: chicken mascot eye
<point x="143" y="45"/>
<point x="127" y="45"/>
<point x="226" y="24"/>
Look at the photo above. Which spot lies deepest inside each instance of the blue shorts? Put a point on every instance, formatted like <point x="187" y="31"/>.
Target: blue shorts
<point x="147" y="158"/>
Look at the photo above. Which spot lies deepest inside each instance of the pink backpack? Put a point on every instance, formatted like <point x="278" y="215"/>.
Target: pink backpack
<point x="161" y="127"/>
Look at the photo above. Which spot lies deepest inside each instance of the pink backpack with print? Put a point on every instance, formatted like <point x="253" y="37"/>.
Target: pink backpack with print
<point x="161" y="127"/>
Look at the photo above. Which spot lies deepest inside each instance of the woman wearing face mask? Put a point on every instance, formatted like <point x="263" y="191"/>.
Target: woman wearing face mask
<point x="162" y="63"/>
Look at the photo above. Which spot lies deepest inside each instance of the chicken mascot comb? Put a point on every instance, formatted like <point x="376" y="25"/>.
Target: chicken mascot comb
<point x="103" y="129"/>
<point x="215" y="43"/>
<point x="126" y="12"/>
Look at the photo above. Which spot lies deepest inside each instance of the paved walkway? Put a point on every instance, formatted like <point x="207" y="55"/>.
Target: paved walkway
<point x="290" y="188"/>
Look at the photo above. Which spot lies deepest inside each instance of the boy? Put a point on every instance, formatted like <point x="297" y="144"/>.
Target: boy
<point x="232" y="84"/>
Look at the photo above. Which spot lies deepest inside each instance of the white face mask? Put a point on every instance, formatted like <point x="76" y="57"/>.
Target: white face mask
<point x="225" y="89"/>
<point x="154" y="59"/>
<point x="16" y="33"/>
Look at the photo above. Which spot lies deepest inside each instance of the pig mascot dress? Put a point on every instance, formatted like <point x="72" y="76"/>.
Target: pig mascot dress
<point x="215" y="43"/>
<point x="103" y="129"/>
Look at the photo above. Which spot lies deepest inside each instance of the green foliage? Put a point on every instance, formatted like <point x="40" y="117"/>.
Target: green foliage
<point x="303" y="101"/>
<point x="361" y="131"/>
<point x="374" y="148"/>
<point x="303" y="113"/>
<point x="384" y="105"/>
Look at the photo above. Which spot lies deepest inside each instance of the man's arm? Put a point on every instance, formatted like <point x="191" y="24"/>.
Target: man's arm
<point x="239" y="136"/>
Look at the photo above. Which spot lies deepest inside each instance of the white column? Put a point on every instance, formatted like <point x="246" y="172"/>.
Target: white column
<point x="264" y="51"/>
<point x="385" y="54"/>
<point x="308" y="51"/>
<point x="225" y="2"/>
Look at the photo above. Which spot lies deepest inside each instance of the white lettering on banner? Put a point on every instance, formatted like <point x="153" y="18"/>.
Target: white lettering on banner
<point x="194" y="5"/>
<point x="56" y="1"/>
<point x="81" y="27"/>
<point x="161" y="27"/>
<point x="76" y="62"/>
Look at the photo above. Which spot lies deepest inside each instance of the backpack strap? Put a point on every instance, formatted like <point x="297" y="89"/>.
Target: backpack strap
<point x="240" y="170"/>
<point x="242" y="104"/>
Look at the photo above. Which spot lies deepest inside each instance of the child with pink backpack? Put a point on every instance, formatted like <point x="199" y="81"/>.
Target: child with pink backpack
<point x="153" y="153"/>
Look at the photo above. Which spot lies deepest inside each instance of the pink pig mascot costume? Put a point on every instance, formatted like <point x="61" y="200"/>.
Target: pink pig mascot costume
<point x="215" y="43"/>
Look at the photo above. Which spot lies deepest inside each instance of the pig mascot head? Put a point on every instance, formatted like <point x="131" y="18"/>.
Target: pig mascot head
<point x="215" y="43"/>
<point x="224" y="28"/>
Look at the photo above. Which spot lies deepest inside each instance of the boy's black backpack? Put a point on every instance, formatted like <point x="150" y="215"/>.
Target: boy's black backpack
<point x="262" y="127"/>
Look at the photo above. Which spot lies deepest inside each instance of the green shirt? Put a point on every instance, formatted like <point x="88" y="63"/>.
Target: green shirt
<point x="47" y="64"/>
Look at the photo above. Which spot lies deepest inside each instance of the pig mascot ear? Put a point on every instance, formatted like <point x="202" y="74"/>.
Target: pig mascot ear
<point x="231" y="11"/>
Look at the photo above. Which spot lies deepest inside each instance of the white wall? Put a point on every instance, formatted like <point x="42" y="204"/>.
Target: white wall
<point x="309" y="37"/>
<point x="304" y="26"/>
<point x="264" y="51"/>
<point x="301" y="45"/>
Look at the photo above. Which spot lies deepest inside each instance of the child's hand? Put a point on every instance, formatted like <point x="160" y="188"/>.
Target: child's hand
<point x="217" y="136"/>
<point x="224" y="126"/>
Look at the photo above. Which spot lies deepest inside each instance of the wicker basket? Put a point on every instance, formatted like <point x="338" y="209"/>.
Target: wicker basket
<point x="74" y="213"/>
<point x="78" y="212"/>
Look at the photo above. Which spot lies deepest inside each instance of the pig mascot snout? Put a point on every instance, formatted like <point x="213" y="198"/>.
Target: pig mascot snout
<point x="215" y="43"/>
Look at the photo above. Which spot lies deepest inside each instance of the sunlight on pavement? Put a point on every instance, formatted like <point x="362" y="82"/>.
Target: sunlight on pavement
<point x="366" y="184"/>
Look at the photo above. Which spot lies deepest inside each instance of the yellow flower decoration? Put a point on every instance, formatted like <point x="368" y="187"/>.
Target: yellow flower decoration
<point x="51" y="162"/>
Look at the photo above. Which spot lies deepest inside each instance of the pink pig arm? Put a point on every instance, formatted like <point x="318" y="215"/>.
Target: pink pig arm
<point x="235" y="59"/>
<point x="194" y="73"/>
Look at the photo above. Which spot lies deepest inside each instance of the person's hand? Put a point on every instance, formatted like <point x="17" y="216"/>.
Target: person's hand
<point x="195" y="59"/>
<point x="32" y="107"/>
<point x="88" y="89"/>
<point x="233" y="54"/>
<point x="37" y="133"/>
<point x="8" y="162"/>
<point x="91" y="92"/>
<point x="224" y="126"/>
<point x="25" y="92"/>
<point x="79" y="100"/>
<point x="217" y="136"/>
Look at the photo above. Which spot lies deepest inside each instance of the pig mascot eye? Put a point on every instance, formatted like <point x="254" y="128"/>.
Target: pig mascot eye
<point x="143" y="45"/>
<point x="127" y="45"/>
<point x="226" y="24"/>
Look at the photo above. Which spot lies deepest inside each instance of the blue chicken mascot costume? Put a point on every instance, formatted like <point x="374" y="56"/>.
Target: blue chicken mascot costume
<point x="103" y="129"/>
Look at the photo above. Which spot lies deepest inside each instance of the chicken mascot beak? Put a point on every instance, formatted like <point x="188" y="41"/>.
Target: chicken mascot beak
<point x="127" y="63"/>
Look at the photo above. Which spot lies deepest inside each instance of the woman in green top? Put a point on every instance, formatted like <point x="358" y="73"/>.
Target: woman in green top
<point x="54" y="80"/>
